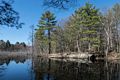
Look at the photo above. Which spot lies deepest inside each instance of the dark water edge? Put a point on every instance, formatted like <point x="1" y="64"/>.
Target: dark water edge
<point x="47" y="69"/>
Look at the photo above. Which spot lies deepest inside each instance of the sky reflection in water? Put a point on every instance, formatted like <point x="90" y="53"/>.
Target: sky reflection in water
<point x="46" y="69"/>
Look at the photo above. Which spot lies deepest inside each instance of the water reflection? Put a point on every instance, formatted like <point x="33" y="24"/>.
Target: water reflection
<point x="58" y="69"/>
<point x="15" y="68"/>
<point x="61" y="70"/>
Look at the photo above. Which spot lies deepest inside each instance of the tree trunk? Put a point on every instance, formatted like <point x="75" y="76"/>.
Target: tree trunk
<point x="89" y="46"/>
<point x="110" y="37"/>
<point x="49" y="38"/>
<point x="78" y="47"/>
<point x="108" y="41"/>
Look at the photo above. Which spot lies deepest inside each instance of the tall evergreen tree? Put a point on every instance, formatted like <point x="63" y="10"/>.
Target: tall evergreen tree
<point x="89" y="20"/>
<point x="47" y="22"/>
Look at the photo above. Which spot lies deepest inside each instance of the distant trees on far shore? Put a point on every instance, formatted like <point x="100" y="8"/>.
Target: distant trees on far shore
<point x="7" y="46"/>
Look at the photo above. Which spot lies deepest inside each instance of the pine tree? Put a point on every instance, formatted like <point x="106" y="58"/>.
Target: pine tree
<point x="46" y="24"/>
<point x="89" y="20"/>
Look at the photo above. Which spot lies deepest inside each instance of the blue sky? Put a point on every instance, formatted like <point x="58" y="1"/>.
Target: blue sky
<point x="30" y="12"/>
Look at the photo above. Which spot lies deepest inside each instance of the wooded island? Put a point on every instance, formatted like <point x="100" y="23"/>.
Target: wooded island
<point x="87" y="30"/>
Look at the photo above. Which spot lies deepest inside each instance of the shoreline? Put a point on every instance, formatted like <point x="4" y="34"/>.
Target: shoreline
<point x="72" y="55"/>
<point x="111" y="56"/>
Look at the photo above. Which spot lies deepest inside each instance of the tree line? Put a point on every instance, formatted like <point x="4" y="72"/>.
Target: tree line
<point x="10" y="18"/>
<point x="86" y="30"/>
<point x="7" y="46"/>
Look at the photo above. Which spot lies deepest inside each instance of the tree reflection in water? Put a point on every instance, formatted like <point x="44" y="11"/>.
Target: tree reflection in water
<point x="5" y="67"/>
<point x="46" y="69"/>
<point x="2" y="70"/>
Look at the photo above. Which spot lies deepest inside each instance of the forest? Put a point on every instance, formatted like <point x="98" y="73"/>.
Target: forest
<point x="83" y="46"/>
<point x="87" y="30"/>
<point x="7" y="46"/>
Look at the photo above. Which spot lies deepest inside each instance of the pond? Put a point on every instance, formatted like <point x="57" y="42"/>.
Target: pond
<point x="59" y="69"/>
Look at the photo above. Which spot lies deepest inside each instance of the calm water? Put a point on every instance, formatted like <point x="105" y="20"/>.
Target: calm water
<point x="46" y="69"/>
